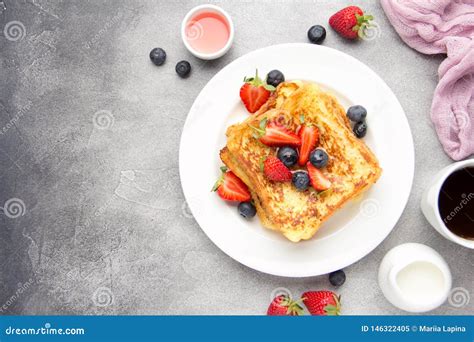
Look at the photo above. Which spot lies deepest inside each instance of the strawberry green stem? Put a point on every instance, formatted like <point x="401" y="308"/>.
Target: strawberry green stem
<point x="334" y="310"/>
<point x="363" y="22"/>
<point x="220" y="180"/>
<point x="257" y="82"/>
<point x="260" y="131"/>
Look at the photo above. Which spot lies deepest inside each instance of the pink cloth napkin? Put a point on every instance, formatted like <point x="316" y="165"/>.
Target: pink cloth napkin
<point x="444" y="26"/>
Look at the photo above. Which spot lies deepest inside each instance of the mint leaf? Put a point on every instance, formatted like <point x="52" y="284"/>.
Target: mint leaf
<point x="269" y="87"/>
<point x="301" y="118"/>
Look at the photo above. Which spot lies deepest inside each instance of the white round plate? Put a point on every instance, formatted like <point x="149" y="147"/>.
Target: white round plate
<point x="352" y="232"/>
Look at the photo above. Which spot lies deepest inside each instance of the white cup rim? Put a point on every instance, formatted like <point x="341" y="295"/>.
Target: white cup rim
<point x="223" y="50"/>
<point x="448" y="172"/>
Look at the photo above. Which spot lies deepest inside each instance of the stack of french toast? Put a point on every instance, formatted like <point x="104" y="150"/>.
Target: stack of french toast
<point x="352" y="167"/>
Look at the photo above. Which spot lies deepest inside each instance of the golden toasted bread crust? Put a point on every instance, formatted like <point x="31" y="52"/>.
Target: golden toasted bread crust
<point x="352" y="167"/>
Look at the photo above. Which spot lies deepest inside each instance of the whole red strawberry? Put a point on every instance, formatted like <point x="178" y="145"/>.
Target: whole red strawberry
<point x="322" y="303"/>
<point x="282" y="305"/>
<point x="350" y="22"/>
<point x="275" y="170"/>
<point x="255" y="92"/>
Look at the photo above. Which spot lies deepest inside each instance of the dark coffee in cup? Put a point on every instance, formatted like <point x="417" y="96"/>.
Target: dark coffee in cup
<point x="456" y="202"/>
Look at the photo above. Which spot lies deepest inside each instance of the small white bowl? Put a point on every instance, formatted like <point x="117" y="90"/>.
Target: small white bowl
<point x="214" y="9"/>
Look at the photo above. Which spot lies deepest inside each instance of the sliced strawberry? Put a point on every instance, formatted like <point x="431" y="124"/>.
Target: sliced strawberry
<point x="275" y="170"/>
<point x="277" y="136"/>
<point x="230" y="188"/>
<point x="318" y="180"/>
<point x="309" y="139"/>
<point x="253" y="97"/>
<point x="255" y="92"/>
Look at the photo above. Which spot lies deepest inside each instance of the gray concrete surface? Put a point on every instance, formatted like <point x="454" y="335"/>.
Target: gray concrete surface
<point x="89" y="151"/>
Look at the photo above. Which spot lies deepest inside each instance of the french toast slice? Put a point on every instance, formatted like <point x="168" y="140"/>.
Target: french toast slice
<point x="352" y="167"/>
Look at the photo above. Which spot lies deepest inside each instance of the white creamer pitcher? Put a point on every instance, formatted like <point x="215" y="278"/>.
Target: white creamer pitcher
<point x="414" y="277"/>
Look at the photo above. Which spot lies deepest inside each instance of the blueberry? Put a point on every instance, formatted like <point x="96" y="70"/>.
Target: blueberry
<point x="356" y="113"/>
<point x="288" y="156"/>
<point x="247" y="209"/>
<point x="360" y="129"/>
<point x="319" y="158"/>
<point x="183" y="68"/>
<point x="316" y="34"/>
<point x="300" y="180"/>
<point x="337" y="278"/>
<point x="275" y="77"/>
<point x="158" y="56"/>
